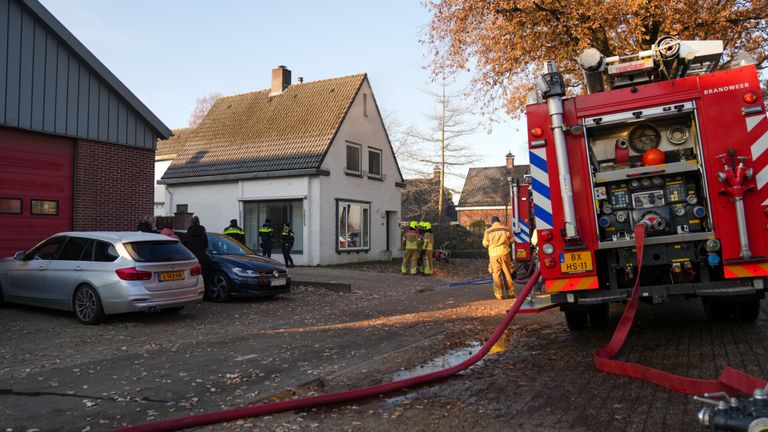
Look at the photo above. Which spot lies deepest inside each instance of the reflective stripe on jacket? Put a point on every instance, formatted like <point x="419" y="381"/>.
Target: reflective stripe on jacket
<point x="233" y="230"/>
<point x="428" y="241"/>
<point x="497" y="239"/>
<point x="410" y="239"/>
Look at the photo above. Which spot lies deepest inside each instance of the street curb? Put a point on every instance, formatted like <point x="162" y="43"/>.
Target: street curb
<point x="338" y="287"/>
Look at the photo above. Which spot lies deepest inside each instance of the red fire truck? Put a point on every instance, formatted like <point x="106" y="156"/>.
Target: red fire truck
<point x="664" y="140"/>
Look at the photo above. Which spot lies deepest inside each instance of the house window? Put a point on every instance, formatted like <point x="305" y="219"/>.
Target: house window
<point x="353" y="158"/>
<point x="374" y="163"/>
<point x="278" y="212"/>
<point x="44" y="207"/>
<point x="182" y="208"/>
<point x="354" y="225"/>
<point x="10" y="205"/>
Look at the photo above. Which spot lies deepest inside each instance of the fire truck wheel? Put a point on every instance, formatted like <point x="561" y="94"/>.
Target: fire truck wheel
<point x="600" y="316"/>
<point x="746" y="310"/>
<point x="576" y="320"/>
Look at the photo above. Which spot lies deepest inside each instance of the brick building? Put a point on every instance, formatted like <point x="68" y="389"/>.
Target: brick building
<point x="77" y="146"/>
<point x="486" y="192"/>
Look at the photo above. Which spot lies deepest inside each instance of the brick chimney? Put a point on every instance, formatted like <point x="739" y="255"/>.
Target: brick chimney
<point x="510" y="160"/>
<point x="281" y="79"/>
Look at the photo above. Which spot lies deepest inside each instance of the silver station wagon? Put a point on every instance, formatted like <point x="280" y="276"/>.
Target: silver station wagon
<point x="95" y="274"/>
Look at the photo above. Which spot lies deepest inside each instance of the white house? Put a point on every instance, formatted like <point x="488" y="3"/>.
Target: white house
<point x="315" y="154"/>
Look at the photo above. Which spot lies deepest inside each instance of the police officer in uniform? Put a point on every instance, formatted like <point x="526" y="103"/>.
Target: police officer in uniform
<point x="235" y="231"/>
<point x="286" y="239"/>
<point x="265" y="235"/>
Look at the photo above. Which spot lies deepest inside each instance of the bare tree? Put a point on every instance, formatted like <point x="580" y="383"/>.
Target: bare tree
<point x="441" y="144"/>
<point x="202" y="105"/>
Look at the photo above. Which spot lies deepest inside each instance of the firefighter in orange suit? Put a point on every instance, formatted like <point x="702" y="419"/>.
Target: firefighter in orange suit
<point x="497" y="239"/>
<point x="427" y="244"/>
<point x="411" y="243"/>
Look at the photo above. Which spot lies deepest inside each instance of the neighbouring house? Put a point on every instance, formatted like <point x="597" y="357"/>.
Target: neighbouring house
<point x="420" y="200"/>
<point x="486" y="192"/>
<point x="77" y="146"/>
<point x="166" y="151"/>
<point x="315" y="154"/>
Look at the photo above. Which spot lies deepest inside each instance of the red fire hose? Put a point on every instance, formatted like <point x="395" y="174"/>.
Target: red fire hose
<point x="334" y="398"/>
<point x="731" y="381"/>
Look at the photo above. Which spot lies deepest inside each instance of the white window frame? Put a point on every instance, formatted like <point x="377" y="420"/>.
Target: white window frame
<point x="347" y="170"/>
<point x="372" y="175"/>
<point x="364" y="221"/>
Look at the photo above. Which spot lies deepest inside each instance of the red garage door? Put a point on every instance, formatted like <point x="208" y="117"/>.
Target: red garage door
<point x="35" y="188"/>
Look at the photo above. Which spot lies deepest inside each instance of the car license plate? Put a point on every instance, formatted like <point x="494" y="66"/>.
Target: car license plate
<point x="278" y="282"/>
<point x="576" y="262"/>
<point x="170" y="276"/>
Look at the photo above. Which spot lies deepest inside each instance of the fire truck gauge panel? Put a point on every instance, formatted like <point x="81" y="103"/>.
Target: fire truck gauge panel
<point x="644" y="137"/>
<point x="649" y="199"/>
<point x="676" y="191"/>
<point x="620" y="199"/>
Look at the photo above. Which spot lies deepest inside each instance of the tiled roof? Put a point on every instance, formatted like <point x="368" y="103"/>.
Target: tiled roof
<point x="173" y="145"/>
<point x="255" y="132"/>
<point x="488" y="186"/>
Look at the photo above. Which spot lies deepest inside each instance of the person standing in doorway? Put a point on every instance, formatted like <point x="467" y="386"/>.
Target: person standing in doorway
<point x="265" y="235"/>
<point x="235" y="231"/>
<point x="497" y="239"/>
<point x="286" y="240"/>
<point x="196" y="240"/>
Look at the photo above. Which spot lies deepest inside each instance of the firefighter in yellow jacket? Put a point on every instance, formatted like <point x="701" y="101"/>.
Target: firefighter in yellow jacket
<point x="497" y="239"/>
<point x="427" y="244"/>
<point x="411" y="243"/>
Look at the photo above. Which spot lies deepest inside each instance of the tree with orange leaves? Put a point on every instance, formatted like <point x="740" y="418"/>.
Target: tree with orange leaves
<point x="505" y="42"/>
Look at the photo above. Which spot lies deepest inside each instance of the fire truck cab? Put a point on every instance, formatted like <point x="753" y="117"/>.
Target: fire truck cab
<point x="663" y="141"/>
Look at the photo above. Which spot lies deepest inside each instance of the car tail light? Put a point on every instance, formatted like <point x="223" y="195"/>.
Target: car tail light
<point x="545" y="235"/>
<point x="196" y="271"/>
<point x="549" y="262"/>
<point x="751" y="97"/>
<point x="131" y="273"/>
<point x="537" y="132"/>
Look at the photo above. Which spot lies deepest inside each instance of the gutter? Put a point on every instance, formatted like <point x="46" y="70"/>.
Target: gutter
<point x="245" y="176"/>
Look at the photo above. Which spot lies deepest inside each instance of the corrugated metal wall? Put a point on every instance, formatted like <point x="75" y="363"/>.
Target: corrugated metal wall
<point x="46" y="87"/>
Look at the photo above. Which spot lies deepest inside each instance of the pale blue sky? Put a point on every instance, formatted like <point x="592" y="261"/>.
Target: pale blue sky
<point x="169" y="52"/>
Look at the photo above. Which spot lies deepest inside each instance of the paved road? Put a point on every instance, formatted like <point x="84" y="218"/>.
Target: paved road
<point x="56" y="374"/>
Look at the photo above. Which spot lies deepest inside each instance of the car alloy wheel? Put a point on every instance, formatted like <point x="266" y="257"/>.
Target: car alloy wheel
<point x="87" y="305"/>
<point x="219" y="289"/>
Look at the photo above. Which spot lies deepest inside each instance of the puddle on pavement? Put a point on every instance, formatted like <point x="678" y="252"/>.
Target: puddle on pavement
<point x="451" y="358"/>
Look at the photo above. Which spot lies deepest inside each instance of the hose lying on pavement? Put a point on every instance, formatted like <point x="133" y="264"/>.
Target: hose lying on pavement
<point x="731" y="381"/>
<point x="334" y="398"/>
